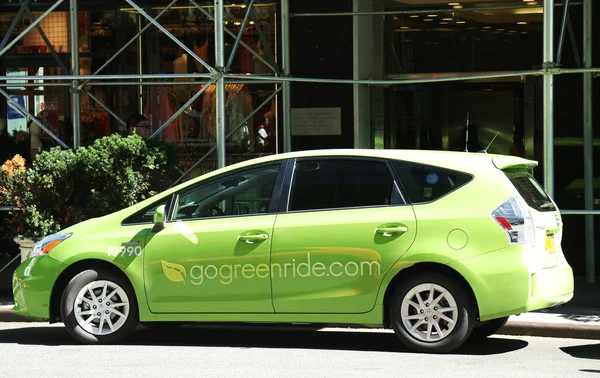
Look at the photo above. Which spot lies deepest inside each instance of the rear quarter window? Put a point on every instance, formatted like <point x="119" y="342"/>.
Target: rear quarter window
<point x="425" y="183"/>
<point x="532" y="192"/>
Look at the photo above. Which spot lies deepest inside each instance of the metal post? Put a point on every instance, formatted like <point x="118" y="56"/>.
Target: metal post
<point x="233" y="35"/>
<point x="75" y="99"/>
<point x="134" y="38"/>
<point x="239" y="36"/>
<point x="548" y="98"/>
<point x="220" y="85"/>
<point x="285" y="60"/>
<point x="25" y="113"/>
<point x="588" y="147"/>
<point x="561" y="37"/>
<point x="171" y="36"/>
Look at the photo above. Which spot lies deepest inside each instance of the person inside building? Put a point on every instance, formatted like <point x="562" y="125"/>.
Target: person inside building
<point x="138" y="124"/>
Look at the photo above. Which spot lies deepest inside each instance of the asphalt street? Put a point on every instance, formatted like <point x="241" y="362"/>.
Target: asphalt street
<point x="41" y="350"/>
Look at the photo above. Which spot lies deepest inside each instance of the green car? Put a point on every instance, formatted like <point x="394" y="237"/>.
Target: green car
<point x="439" y="246"/>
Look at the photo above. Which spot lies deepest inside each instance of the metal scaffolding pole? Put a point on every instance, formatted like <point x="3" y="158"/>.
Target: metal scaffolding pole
<point x="133" y="39"/>
<point x="233" y="35"/>
<point x="285" y="61"/>
<point x="75" y="99"/>
<point x="239" y="36"/>
<point x="220" y="86"/>
<point x="548" y="97"/>
<point x="25" y="113"/>
<point x="171" y="36"/>
<point x="588" y="146"/>
<point x="561" y="37"/>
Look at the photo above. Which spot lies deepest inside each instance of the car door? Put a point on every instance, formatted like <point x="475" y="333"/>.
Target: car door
<point x="345" y="224"/>
<point x="212" y="254"/>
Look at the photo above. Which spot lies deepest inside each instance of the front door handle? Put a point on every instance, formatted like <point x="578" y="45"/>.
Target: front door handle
<point x="253" y="237"/>
<point x="389" y="231"/>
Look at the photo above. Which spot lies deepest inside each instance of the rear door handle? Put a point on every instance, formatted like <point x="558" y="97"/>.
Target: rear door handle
<point x="389" y="231"/>
<point x="253" y="237"/>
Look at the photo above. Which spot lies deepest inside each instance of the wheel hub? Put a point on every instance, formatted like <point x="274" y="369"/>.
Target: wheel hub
<point x="429" y="312"/>
<point x="101" y="307"/>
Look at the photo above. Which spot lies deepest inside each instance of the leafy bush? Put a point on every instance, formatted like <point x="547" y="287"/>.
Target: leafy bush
<point x="65" y="187"/>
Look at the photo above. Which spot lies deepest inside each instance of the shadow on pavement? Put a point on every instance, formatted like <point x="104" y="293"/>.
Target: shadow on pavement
<point x="584" y="351"/>
<point x="259" y="337"/>
<point x="589" y="370"/>
<point x="582" y="318"/>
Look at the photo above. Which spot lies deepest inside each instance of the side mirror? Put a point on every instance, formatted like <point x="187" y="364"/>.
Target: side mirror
<point x="159" y="217"/>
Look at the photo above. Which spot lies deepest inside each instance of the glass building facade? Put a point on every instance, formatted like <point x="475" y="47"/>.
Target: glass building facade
<point x="511" y="77"/>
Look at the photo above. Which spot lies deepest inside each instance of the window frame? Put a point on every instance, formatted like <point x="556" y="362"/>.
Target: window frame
<point x="290" y="177"/>
<point x="169" y="200"/>
<point x="273" y="201"/>
<point x="405" y="192"/>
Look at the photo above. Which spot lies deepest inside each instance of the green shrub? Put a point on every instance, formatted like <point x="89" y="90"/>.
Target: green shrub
<point x="65" y="187"/>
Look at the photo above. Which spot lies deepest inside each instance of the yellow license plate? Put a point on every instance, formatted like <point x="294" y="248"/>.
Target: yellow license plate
<point x="550" y="247"/>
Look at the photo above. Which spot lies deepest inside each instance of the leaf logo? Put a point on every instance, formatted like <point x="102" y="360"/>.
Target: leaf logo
<point x="173" y="272"/>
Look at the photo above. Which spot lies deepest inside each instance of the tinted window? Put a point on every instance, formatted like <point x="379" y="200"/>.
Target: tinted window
<point x="340" y="183"/>
<point x="241" y="193"/>
<point x="531" y="191"/>
<point x="146" y="215"/>
<point x="425" y="183"/>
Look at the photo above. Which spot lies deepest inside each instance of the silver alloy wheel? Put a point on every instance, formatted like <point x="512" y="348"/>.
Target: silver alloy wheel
<point x="429" y="312"/>
<point x="101" y="307"/>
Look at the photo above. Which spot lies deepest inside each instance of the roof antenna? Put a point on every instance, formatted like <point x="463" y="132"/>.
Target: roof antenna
<point x="467" y="135"/>
<point x="488" y="146"/>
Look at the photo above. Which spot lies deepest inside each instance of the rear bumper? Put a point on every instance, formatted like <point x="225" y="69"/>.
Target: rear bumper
<point x="550" y="287"/>
<point x="33" y="281"/>
<point x="508" y="282"/>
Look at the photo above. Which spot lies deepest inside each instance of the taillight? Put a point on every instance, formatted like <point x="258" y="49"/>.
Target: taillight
<point x="514" y="217"/>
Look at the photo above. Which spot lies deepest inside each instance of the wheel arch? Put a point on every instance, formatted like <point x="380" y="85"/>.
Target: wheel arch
<point x="70" y="272"/>
<point x="425" y="267"/>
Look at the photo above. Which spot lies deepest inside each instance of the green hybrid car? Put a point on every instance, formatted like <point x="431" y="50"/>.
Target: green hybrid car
<point x="439" y="246"/>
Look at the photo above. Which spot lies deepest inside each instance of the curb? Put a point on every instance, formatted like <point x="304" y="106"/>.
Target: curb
<point x="547" y="329"/>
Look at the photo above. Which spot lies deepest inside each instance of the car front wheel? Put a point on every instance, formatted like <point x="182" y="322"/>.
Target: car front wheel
<point x="98" y="307"/>
<point x="431" y="313"/>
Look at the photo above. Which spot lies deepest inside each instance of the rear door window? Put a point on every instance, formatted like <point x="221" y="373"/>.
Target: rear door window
<point x="342" y="183"/>
<point x="425" y="183"/>
<point x="532" y="192"/>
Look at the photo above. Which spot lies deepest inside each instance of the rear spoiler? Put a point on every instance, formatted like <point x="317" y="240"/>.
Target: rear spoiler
<point x="513" y="162"/>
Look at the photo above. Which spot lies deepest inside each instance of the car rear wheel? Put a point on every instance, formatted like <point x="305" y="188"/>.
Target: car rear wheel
<point x="431" y="313"/>
<point x="487" y="328"/>
<point x="98" y="306"/>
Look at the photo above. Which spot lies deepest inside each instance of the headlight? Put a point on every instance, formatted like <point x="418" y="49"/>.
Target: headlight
<point x="46" y="244"/>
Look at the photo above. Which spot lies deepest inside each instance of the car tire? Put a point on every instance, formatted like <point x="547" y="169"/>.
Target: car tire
<point x="99" y="307"/>
<point x="487" y="328"/>
<point x="421" y="322"/>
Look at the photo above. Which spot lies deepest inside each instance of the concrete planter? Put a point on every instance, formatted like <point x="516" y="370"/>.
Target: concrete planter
<point x="25" y="245"/>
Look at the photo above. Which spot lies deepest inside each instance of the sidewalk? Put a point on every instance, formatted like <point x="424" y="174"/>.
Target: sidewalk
<point x="577" y="319"/>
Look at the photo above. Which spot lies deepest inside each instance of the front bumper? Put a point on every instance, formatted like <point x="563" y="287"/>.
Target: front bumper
<point x="33" y="281"/>
<point x="510" y="281"/>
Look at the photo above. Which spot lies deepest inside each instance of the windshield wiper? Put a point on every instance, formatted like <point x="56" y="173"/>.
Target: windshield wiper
<point x="547" y="205"/>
